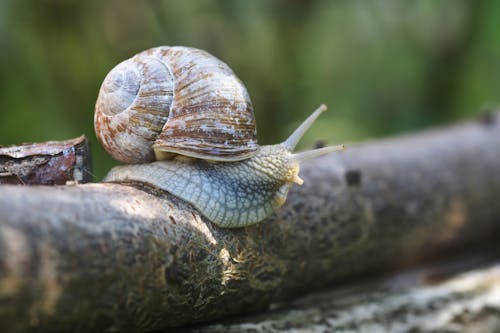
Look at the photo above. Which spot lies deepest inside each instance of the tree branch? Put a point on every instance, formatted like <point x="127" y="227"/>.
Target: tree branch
<point x="97" y="257"/>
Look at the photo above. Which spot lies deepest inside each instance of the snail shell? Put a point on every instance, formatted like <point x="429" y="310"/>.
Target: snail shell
<point x="174" y="100"/>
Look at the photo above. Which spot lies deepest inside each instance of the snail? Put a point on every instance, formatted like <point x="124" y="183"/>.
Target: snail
<point x="183" y="122"/>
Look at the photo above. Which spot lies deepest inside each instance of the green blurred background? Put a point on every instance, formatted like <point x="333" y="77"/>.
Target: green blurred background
<point x="382" y="67"/>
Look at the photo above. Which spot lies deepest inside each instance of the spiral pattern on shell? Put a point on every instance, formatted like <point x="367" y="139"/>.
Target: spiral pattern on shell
<point x="176" y="100"/>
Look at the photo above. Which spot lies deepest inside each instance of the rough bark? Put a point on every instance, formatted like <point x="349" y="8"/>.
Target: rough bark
<point x="99" y="257"/>
<point x="46" y="163"/>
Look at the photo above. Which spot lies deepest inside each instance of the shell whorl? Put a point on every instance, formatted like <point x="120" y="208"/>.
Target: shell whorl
<point x="175" y="100"/>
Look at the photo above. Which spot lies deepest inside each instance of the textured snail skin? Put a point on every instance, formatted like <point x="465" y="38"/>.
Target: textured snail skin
<point x="230" y="194"/>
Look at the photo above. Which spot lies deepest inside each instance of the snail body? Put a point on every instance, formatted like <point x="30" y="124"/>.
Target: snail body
<point x="229" y="178"/>
<point x="229" y="194"/>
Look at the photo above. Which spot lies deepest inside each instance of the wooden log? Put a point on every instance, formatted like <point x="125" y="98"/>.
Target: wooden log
<point x="98" y="257"/>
